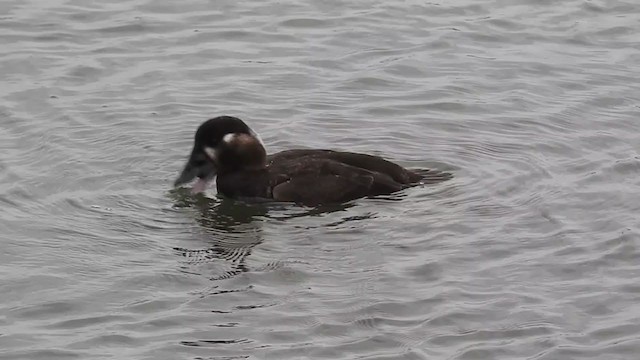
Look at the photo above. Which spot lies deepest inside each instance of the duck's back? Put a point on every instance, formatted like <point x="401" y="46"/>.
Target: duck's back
<point x="357" y="160"/>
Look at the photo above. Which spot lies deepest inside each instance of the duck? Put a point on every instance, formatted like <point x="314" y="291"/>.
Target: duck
<point x="226" y="149"/>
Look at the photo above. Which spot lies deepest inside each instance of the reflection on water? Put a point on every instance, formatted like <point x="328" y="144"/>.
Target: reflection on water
<point x="219" y="213"/>
<point x="233" y="228"/>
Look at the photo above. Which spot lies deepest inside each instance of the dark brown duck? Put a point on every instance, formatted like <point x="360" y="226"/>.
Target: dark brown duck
<point x="227" y="148"/>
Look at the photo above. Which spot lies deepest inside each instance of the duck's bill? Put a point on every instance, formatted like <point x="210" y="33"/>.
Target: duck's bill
<point x="201" y="169"/>
<point x="188" y="173"/>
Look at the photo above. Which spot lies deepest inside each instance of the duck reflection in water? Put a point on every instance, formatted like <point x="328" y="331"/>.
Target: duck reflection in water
<point x="234" y="229"/>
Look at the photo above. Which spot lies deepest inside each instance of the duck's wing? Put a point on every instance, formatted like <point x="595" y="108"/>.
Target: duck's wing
<point x="313" y="180"/>
<point x="315" y="190"/>
<point x="296" y="154"/>
<point x="376" y="164"/>
<point x="363" y="161"/>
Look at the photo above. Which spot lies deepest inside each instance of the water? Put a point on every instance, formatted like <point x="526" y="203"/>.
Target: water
<point x="530" y="252"/>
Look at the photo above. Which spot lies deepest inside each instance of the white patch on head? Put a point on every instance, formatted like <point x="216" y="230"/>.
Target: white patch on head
<point x="211" y="153"/>
<point x="229" y="138"/>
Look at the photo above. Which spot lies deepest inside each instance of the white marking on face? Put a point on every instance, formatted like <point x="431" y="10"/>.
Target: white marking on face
<point x="211" y="153"/>
<point x="229" y="138"/>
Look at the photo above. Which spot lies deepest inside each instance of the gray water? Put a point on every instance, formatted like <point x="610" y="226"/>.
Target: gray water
<point x="530" y="252"/>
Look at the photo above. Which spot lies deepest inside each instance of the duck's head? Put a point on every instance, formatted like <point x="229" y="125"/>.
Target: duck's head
<point x="223" y="144"/>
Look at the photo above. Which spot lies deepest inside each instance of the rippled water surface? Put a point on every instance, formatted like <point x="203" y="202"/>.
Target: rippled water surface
<point x="530" y="252"/>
